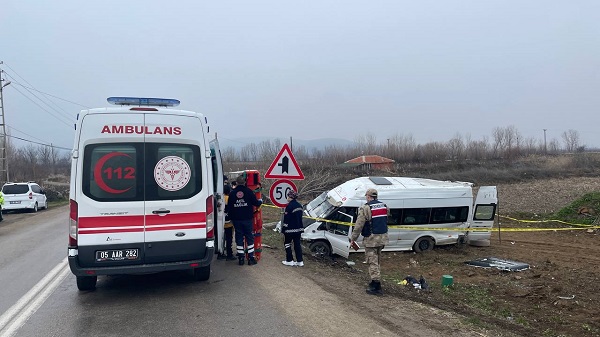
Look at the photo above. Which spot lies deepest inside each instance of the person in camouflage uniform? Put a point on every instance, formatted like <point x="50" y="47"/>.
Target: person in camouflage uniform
<point x="372" y="224"/>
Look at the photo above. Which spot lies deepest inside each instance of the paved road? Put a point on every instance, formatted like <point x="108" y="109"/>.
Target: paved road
<point x="167" y="304"/>
<point x="268" y="299"/>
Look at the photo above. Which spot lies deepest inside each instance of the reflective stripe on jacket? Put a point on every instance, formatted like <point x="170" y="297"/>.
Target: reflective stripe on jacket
<point x="378" y="222"/>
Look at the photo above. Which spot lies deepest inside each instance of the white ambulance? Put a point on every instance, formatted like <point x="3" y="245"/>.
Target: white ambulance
<point x="422" y="213"/>
<point x="146" y="189"/>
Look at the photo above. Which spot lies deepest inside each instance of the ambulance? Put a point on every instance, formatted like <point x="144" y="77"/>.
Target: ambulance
<point x="146" y="191"/>
<point x="422" y="213"/>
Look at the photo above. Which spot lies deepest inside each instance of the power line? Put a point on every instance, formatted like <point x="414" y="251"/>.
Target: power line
<point x="41" y="107"/>
<point x="13" y="128"/>
<point x="63" y="112"/>
<point x="41" y="92"/>
<point x="31" y="141"/>
<point x="233" y="140"/>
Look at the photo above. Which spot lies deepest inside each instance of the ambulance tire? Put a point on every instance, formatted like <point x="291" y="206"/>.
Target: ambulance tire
<point x="202" y="273"/>
<point x="423" y="244"/>
<point x="320" y="249"/>
<point x="86" y="282"/>
<point x="35" y="208"/>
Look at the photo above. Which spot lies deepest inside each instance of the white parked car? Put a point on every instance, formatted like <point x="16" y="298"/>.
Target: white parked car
<point x="24" y="196"/>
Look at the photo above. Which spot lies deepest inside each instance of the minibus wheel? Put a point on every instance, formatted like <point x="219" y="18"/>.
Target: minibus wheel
<point x="86" y="282"/>
<point x="423" y="244"/>
<point x="320" y="249"/>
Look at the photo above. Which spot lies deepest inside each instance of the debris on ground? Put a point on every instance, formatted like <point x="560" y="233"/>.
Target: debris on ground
<point x="501" y="264"/>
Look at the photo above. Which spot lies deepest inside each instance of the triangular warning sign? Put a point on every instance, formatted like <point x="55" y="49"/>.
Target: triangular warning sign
<point x="284" y="166"/>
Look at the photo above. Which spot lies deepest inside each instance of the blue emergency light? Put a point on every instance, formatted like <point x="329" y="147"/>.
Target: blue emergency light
<point x="139" y="101"/>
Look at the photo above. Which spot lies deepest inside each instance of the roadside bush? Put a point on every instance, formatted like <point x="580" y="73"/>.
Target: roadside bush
<point x="56" y="192"/>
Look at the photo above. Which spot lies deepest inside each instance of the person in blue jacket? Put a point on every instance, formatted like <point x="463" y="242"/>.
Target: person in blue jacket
<point x="292" y="229"/>
<point x="241" y="212"/>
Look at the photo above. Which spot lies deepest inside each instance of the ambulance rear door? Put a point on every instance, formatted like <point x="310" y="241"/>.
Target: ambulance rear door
<point x="110" y="195"/>
<point x="177" y="187"/>
<point x="217" y="172"/>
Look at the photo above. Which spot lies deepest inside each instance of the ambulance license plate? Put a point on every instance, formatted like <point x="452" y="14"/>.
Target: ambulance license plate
<point x="15" y="202"/>
<point x="117" y="255"/>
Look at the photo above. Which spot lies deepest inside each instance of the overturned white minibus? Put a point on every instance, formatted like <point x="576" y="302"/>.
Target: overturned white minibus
<point x="422" y="213"/>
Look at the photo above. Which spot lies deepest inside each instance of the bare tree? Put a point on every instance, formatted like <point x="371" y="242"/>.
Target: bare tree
<point x="554" y="146"/>
<point x="45" y="159"/>
<point x="268" y="149"/>
<point x="506" y="141"/>
<point x="512" y="141"/>
<point x="571" y="140"/>
<point x="456" y="147"/>
<point x="229" y="154"/>
<point x="245" y="153"/>
<point x="317" y="178"/>
<point x="367" y="144"/>
<point x="31" y="156"/>
<point x="477" y="149"/>
<point x="401" y="147"/>
<point x="499" y="141"/>
<point x="531" y="146"/>
<point x="430" y="152"/>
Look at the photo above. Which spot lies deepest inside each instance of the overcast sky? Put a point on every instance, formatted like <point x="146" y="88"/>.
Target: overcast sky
<point x="310" y="69"/>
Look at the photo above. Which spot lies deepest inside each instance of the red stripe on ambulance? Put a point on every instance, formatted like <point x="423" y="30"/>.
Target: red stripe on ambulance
<point x="135" y="223"/>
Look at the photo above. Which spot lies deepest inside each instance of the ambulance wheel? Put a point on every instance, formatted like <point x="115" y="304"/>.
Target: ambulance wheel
<point x="35" y="208"/>
<point x="423" y="244"/>
<point x="202" y="273"/>
<point x="86" y="282"/>
<point x="320" y="249"/>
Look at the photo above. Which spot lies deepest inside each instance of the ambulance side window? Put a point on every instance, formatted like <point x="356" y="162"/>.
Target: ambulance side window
<point x="111" y="172"/>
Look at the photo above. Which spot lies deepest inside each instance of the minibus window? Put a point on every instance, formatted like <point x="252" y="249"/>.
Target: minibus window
<point x="416" y="216"/>
<point x="449" y="214"/>
<point x="484" y="212"/>
<point x="394" y="216"/>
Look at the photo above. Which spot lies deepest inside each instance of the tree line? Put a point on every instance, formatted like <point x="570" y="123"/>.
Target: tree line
<point x="35" y="162"/>
<point x="504" y="143"/>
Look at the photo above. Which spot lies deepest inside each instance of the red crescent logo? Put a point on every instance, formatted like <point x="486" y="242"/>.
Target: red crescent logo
<point x="98" y="172"/>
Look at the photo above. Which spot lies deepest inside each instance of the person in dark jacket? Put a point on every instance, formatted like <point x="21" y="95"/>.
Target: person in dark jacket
<point x="241" y="212"/>
<point x="292" y="229"/>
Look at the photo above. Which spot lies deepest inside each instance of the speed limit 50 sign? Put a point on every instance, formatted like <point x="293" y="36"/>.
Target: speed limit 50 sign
<point x="279" y="190"/>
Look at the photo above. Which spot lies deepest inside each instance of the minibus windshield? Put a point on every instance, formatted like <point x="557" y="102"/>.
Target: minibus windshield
<point x="320" y="207"/>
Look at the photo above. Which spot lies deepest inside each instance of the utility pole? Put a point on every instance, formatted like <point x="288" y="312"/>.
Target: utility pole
<point x="4" y="165"/>
<point x="545" y="147"/>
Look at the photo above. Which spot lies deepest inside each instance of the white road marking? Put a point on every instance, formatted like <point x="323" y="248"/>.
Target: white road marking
<point x="15" y="316"/>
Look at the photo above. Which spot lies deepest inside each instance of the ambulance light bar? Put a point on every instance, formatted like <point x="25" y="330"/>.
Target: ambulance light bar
<point x="139" y="101"/>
